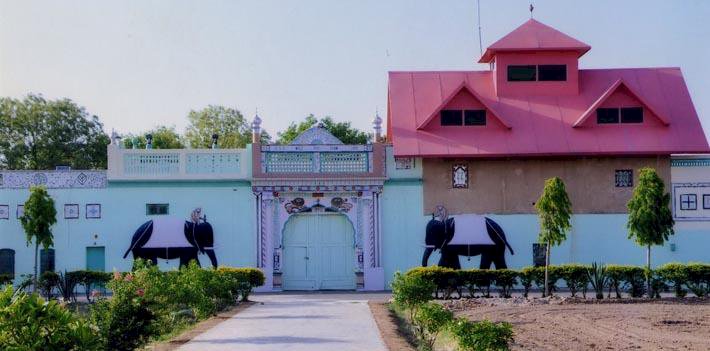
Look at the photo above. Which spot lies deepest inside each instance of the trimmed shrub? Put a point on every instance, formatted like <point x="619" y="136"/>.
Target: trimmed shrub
<point x="575" y="277"/>
<point x="6" y="279"/>
<point x="538" y="275"/>
<point x="47" y="282"/>
<point x="675" y="274"/>
<point x="242" y="280"/>
<point x="430" y="319"/>
<point x="527" y="276"/>
<point x="504" y="279"/>
<point x="698" y="281"/>
<point x="27" y="322"/>
<point x="482" y="336"/>
<point x="477" y="279"/>
<point x="446" y="280"/>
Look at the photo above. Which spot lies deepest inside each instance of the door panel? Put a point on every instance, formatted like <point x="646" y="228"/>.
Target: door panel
<point x="96" y="259"/>
<point x="318" y="251"/>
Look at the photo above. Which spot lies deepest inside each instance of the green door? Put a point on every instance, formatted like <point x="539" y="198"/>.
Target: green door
<point x="318" y="253"/>
<point x="96" y="259"/>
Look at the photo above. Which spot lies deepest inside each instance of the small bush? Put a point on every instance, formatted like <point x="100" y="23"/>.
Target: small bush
<point x="553" y="274"/>
<point x="575" y="277"/>
<point x="477" y="279"/>
<point x="676" y="274"/>
<point x="505" y="279"/>
<point x="47" y="282"/>
<point x="598" y="279"/>
<point x="430" y="319"/>
<point x="698" y="278"/>
<point x="27" y="322"/>
<point x="482" y="336"/>
<point x="411" y="291"/>
<point x="242" y="280"/>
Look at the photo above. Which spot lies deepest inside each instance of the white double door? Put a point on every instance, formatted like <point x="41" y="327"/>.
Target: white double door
<point x="318" y="253"/>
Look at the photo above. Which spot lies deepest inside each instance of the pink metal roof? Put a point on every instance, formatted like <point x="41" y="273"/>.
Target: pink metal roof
<point x="534" y="36"/>
<point x="544" y="125"/>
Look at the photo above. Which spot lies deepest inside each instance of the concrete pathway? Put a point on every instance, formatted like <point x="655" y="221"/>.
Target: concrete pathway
<point x="312" y="321"/>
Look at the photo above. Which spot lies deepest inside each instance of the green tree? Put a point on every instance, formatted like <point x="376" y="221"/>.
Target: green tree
<point x="36" y="133"/>
<point x="37" y="221"/>
<point x="554" y="210"/>
<point x="341" y="130"/>
<point x="163" y="138"/>
<point x="233" y="129"/>
<point x="650" y="219"/>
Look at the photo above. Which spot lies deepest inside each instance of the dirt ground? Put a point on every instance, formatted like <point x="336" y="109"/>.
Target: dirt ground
<point x="390" y="330"/>
<point x="568" y="325"/>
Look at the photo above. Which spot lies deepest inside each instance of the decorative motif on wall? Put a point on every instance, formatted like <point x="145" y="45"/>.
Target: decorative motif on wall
<point x="404" y="162"/>
<point x="317" y="188"/>
<point x="624" y="178"/>
<point x="459" y="176"/>
<point x="71" y="211"/>
<point x="173" y="237"/>
<point x="20" y="211"/>
<point x="465" y="235"/>
<point x="4" y="211"/>
<point x="93" y="211"/>
<point x="298" y="205"/>
<point x="53" y="179"/>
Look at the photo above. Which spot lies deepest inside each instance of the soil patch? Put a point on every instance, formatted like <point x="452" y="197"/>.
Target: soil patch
<point x="198" y="328"/>
<point x="574" y="324"/>
<point x="389" y="327"/>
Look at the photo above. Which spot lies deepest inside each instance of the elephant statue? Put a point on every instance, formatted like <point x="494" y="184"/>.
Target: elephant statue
<point x="173" y="237"/>
<point x="476" y="235"/>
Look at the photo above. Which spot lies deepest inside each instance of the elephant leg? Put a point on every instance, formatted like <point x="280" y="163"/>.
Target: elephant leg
<point x="499" y="259"/>
<point x="449" y="259"/>
<point x="486" y="261"/>
<point x="212" y="256"/>
<point x="154" y="259"/>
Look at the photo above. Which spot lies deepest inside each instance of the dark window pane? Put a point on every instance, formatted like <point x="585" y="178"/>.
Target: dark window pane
<point x="552" y="72"/>
<point x="631" y="115"/>
<point x="46" y="260"/>
<point x="156" y="209"/>
<point x="521" y="73"/>
<point x="451" y="117"/>
<point x="706" y="202"/>
<point x="474" y="118"/>
<point x="607" y="115"/>
<point x="7" y="262"/>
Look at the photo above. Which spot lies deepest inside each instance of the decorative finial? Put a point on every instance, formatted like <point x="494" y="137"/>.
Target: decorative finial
<point x="149" y="141"/>
<point x="215" y="137"/>
<point x="377" y="126"/>
<point x="256" y="129"/>
<point x="531" y="10"/>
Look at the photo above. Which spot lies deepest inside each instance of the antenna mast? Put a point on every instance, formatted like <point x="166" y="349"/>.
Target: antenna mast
<point x="480" y="41"/>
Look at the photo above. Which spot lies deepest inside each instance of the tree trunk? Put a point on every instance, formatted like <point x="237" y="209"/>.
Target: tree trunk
<point x="648" y="271"/>
<point x="34" y="279"/>
<point x="547" y="268"/>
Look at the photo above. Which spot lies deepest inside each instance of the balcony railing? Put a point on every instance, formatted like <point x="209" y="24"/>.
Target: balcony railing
<point x="178" y="164"/>
<point x="331" y="159"/>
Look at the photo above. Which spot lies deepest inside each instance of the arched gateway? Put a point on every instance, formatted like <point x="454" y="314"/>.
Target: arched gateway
<point x="318" y="213"/>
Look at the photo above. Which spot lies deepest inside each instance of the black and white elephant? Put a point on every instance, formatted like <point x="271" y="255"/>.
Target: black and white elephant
<point x="173" y="237"/>
<point x="465" y="235"/>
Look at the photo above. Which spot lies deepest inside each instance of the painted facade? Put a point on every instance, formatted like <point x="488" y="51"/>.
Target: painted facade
<point x="318" y="214"/>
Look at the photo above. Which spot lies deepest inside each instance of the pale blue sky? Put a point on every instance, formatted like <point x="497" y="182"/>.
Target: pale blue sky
<point x="138" y="64"/>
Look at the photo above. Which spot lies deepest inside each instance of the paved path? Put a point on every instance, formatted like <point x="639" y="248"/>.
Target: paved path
<point x="312" y="322"/>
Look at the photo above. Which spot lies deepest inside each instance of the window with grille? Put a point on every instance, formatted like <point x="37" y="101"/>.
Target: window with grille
<point x="156" y="209"/>
<point x="624" y="178"/>
<point x="688" y="202"/>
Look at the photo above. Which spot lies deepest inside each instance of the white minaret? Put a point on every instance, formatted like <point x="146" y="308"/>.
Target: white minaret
<point x="377" y="127"/>
<point x="256" y="130"/>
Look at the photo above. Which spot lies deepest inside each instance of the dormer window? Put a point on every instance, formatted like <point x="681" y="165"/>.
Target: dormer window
<point x="620" y="115"/>
<point x="463" y="117"/>
<point x="541" y="73"/>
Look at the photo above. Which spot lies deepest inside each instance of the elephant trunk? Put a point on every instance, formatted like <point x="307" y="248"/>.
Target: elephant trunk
<point x="427" y="253"/>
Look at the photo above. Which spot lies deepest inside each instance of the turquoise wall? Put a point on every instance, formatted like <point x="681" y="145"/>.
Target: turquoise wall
<point x="229" y="206"/>
<point x="594" y="237"/>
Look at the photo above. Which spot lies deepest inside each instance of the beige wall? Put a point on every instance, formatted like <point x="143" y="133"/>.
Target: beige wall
<point x="513" y="186"/>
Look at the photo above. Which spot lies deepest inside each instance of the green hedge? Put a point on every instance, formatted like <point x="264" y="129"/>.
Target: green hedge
<point x="695" y="277"/>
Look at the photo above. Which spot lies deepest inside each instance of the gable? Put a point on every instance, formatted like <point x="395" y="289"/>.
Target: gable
<point x="465" y="99"/>
<point x="620" y="95"/>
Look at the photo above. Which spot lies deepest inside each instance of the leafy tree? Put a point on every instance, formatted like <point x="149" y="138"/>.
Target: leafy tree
<point x="341" y="130"/>
<point x="163" y="138"/>
<point x="36" y="133"/>
<point x="38" y="219"/>
<point x="554" y="210"/>
<point x="650" y="220"/>
<point x="229" y="124"/>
